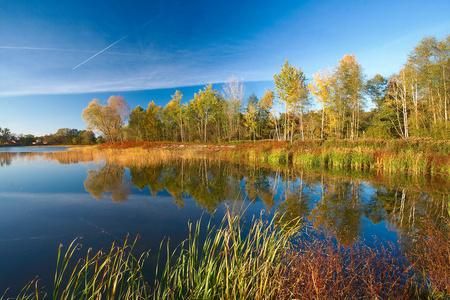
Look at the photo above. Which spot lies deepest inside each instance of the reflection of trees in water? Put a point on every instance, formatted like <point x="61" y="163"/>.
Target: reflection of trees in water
<point x="6" y="158"/>
<point x="340" y="209"/>
<point x="405" y="208"/>
<point x="297" y="192"/>
<point x="338" y="204"/>
<point x="109" y="178"/>
<point x="210" y="184"/>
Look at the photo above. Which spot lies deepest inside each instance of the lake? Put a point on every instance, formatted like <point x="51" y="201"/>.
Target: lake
<point x="45" y="202"/>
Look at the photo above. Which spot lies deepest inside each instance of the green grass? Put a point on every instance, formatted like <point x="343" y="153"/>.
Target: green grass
<point x="228" y="264"/>
<point x="409" y="156"/>
<point x="114" y="274"/>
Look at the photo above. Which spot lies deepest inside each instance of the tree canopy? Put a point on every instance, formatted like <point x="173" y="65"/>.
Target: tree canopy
<point x="109" y="118"/>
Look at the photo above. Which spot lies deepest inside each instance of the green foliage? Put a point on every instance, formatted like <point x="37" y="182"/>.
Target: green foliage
<point x="231" y="263"/>
<point x="277" y="157"/>
<point x="204" y="109"/>
<point x="27" y="140"/>
<point x="114" y="274"/>
<point x="291" y="89"/>
<point x="5" y="135"/>
<point x="376" y="89"/>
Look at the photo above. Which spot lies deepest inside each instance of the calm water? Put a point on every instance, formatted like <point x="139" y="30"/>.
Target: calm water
<point x="44" y="203"/>
<point x="38" y="149"/>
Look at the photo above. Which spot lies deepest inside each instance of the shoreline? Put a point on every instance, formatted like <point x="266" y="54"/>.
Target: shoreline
<point x="412" y="157"/>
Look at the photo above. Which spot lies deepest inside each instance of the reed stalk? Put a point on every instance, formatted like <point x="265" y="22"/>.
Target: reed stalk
<point x="228" y="264"/>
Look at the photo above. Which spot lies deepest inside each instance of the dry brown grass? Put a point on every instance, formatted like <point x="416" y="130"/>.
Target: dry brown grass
<point x="430" y="253"/>
<point x="128" y="157"/>
<point x="319" y="268"/>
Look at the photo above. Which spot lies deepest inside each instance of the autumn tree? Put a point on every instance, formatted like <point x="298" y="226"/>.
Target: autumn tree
<point x="136" y="129"/>
<point x="348" y="80"/>
<point x="428" y="89"/>
<point x="398" y="101"/>
<point x="265" y="105"/>
<point x="66" y="136"/>
<point x="109" y="118"/>
<point x="177" y="111"/>
<point x="251" y="115"/>
<point x="321" y="88"/>
<point x="87" y="137"/>
<point x="202" y="109"/>
<point x="154" y="122"/>
<point x="380" y="122"/>
<point x="376" y="90"/>
<point x="233" y="93"/>
<point x="290" y="87"/>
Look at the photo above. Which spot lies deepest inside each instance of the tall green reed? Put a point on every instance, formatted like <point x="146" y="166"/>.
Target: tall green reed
<point x="228" y="264"/>
<point x="114" y="274"/>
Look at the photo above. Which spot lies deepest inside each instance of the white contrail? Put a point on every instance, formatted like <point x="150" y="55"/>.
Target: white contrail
<point x="98" y="53"/>
<point x="140" y="27"/>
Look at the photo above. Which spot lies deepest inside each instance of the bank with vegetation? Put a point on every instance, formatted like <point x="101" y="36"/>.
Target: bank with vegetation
<point x="405" y="156"/>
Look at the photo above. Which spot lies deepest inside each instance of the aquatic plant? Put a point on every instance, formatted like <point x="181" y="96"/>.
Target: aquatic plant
<point x="410" y="156"/>
<point x="114" y="274"/>
<point x="229" y="264"/>
<point x="430" y="254"/>
<point x="321" y="268"/>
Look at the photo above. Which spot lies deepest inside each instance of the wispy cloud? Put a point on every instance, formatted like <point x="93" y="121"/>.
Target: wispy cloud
<point x="45" y="49"/>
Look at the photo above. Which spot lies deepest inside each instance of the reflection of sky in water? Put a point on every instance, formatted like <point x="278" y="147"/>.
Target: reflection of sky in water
<point x="42" y="177"/>
<point x="32" y="149"/>
<point x="44" y="203"/>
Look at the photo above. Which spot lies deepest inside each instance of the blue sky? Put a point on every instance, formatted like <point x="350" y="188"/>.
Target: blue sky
<point x="56" y="56"/>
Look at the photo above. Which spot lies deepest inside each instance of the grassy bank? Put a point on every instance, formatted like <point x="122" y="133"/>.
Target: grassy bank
<point x="408" y="156"/>
<point x="413" y="156"/>
<point x="271" y="260"/>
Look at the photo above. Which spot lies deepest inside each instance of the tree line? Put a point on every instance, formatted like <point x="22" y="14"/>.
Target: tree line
<point x="412" y="103"/>
<point x="63" y="136"/>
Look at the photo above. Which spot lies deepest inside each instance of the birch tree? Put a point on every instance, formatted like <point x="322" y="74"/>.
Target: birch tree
<point x="290" y="88"/>
<point x="233" y="93"/>
<point x="203" y="106"/>
<point x="321" y="88"/>
<point x="349" y="79"/>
